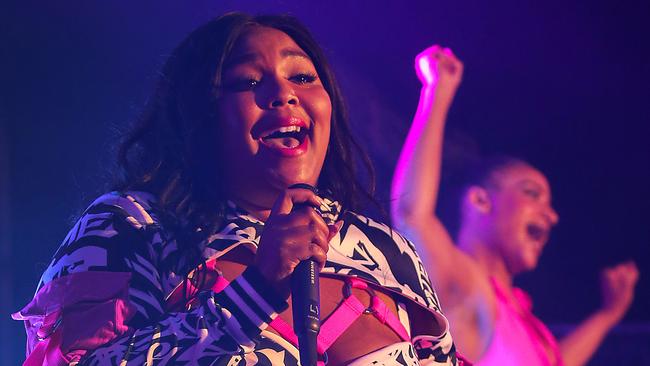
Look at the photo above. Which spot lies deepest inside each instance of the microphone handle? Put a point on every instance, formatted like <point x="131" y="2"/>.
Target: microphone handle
<point x="305" y="301"/>
<point x="305" y="298"/>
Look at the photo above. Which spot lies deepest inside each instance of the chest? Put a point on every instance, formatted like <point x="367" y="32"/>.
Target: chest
<point x="364" y="335"/>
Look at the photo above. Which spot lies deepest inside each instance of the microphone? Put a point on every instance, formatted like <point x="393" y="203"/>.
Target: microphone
<point x="305" y="302"/>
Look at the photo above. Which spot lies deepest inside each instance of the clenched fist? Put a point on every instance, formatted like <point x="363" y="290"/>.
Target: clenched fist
<point x="617" y="288"/>
<point x="440" y="69"/>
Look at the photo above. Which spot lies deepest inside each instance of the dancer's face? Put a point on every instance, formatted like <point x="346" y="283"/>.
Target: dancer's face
<point x="275" y="116"/>
<point x="521" y="216"/>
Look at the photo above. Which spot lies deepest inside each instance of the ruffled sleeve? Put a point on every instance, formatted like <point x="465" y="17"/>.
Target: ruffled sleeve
<point x="102" y="300"/>
<point x="74" y="314"/>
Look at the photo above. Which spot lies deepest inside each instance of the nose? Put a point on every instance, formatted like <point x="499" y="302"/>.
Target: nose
<point x="552" y="216"/>
<point x="281" y="93"/>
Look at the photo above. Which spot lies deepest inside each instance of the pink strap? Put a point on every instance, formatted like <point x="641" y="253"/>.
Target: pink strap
<point x="344" y="315"/>
<point x="284" y="330"/>
<point x="534" y="326"/>
<point x="379" y="309"/>
<point x="341" y="318"/>
<point x="339" y="321"/>
<point x="387" y="317"/>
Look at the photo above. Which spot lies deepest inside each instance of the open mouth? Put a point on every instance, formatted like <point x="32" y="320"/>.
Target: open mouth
<point x="537" y="232"/>
<point x="285" y="137"/>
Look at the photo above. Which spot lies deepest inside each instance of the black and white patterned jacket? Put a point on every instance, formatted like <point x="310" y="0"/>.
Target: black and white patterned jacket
<point x="121" y="233"/>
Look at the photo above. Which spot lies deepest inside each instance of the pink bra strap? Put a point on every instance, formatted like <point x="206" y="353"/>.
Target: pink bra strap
<point x="339" y="321"/>
<point x="341" y="318"/>
<point x="335" y="325"/>
<point x="344" y="315"/>
<point x="350" y="309"/>
<point x="384" y="315"/>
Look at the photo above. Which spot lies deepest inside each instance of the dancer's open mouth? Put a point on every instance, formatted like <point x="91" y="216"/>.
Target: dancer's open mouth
<point x="537" y="232"/>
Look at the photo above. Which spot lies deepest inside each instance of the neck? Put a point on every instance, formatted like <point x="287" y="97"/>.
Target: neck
<point x="256" y="206"/>
<point x="487" y="258"/>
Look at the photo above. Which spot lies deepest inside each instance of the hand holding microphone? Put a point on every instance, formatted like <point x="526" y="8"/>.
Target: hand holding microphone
<point x="305" y="298"/>
<point x="291" y="253"/>
<point x="292" y="234"/>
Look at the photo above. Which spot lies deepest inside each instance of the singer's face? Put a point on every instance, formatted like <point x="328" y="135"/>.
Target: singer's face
<point x="274" y="116"/>
<point x="521" y="216"/>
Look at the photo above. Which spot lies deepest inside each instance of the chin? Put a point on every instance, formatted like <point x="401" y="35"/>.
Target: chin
<point x="522" y="264"/>
<point x="529" y="264"/>
<point x="284" y="179"/>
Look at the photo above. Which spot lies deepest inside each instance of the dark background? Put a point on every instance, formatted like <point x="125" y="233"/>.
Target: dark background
<point x="563" y="84"/>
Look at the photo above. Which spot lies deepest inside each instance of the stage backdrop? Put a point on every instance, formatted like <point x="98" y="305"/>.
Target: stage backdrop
<point x="564" y="84"/>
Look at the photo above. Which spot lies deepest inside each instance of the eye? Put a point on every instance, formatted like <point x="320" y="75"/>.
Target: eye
<point x="242" y="84"/>
<point x="533" y="193"/>
<point x="304" y="78"/>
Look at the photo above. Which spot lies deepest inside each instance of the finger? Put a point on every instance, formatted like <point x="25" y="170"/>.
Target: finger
<point x="318" y="254"/>
<point x="291" y="197"/>
<point x="428" y="54"/>
<point x="334" y="229"/>
<point x="435" y="49"/>
<point x="632" y="271"/>
<point x="320" y="238"/>
<point x="300" y="239"/>
<point x="306" y="250"/>
<point x="631" y="266"/>
<point x="307" y="216"/>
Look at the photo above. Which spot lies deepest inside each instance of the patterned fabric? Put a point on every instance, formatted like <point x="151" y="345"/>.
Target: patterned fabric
<point x="397" y="354"/>
<point x="122" y="234"/>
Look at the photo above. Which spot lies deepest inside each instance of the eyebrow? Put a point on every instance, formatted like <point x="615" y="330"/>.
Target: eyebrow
<point x="253" y="57"/>
<point x="527" y="182"/>
<point x="536" y="185"/>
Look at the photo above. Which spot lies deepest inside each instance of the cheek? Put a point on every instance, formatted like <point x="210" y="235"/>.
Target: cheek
<point x="511" y="207"/>
<point x="318" y="105"/>
<point x="319" y="108"/>
<point x="508" y="219"/>
<point x="236" y="117"/>
<point x="325" y="108"/>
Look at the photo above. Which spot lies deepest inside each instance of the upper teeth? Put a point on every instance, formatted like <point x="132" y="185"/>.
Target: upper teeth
<point x="289" y="129"/>
<point x="284" y="129"/>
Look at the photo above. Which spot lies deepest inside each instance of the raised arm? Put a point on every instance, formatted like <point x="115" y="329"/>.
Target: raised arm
<point x="617" y="284"/>
<point x="417" y="175"/>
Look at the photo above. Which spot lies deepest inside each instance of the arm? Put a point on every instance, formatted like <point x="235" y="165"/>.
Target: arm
<point x="417" y="175"/>
<point x="617" y="285"/>
<point x="102" y="301"/>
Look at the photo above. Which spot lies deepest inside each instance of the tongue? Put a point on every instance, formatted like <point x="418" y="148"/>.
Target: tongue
<point x="282" y="142"/>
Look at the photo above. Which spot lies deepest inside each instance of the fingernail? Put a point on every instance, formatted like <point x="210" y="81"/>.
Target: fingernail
<point x="338" y="225"/>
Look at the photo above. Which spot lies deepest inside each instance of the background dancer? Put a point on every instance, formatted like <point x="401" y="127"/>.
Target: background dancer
<point x="505" y="221"/>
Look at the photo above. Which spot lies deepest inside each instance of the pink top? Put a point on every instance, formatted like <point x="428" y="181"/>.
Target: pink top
<point x="519" y="338"/>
